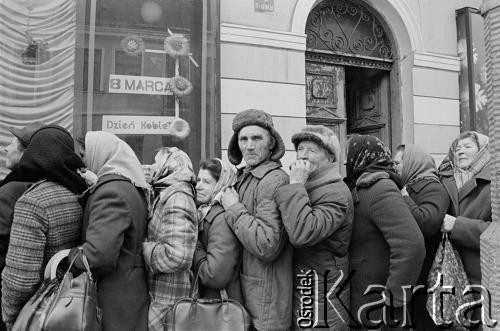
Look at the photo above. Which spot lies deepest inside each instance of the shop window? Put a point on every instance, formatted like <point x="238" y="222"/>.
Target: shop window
<point x="156" y="61"/>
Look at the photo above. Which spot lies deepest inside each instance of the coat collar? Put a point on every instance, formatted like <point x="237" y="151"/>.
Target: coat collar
<point x="326" y="175"/>
<point x="261" y="170"/>
<point x="106" y="179"/>
<point x="418" y="185"/>
<point x="215" y="211"/>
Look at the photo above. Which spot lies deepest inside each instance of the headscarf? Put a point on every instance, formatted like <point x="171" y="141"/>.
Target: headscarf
<point x="51" y="156"/>
<point x="368" y="154"/>
<point x="171" y="166"/>
<point x="227" y="178"/>
<point x="480" y="161"/>
<point x="417" y="164"/>
<point x="106" y="154"/>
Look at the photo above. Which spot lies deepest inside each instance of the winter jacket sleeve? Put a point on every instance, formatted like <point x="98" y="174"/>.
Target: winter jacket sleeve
<point x="428" y="207"/>
<point x="467" y="231"/>
<point x="406" y="243"/>
<point x="262" y="234"/>
<point x="24" y="263"/>
<point x="218" y="261"/>
<point x="109" y="218"/>
<point x="177" y="234"/>
<point x="306" y="224"/>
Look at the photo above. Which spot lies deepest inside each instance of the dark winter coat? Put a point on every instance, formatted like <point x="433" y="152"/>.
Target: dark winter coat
<point x="218" y="257"/>
<point x="114" y="227"/>
<point x="9" y="194"/>
<point x="266" y="275"/>
<point x="318" y="219"/>
<point x="472" y="207"/>
<point x="387" y="247"/>
<point x="428" y="202"/>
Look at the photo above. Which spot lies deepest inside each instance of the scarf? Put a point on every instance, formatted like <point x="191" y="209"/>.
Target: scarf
<point x="106" y="154"/>
<point x="172" y="166"/>
<point x="368" y="154"/>
<point x="417" y="164"/>
<point x="481" y="159"/>
<point x="227" y="179"/>
<point x="51" y="156"/>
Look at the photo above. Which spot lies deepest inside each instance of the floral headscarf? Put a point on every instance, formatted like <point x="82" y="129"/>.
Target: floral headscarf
<point x="480" y="161"/>
<point x="368" y="154"/>
<point x="417" y="164"/>
<point x="227" y="178"/>
<point x="171" y="166"/>
<point x="106" y="154"/>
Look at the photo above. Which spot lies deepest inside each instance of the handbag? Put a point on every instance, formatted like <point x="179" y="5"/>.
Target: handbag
<point x="69" y="305"/>
<point x="200" y="314"/>
<point x="447" y="270"/>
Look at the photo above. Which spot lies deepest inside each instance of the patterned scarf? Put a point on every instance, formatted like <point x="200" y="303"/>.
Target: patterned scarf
<point x="171" y="167"/>
<point x="368" y="154"/>
<point x="227" y="179"/>
<point x="106" y="154"/>
<point x="417" y="165"/>
<point x="481" y="159"/>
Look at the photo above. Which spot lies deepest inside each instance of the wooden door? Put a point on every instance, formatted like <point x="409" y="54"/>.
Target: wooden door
<point x="325" y="99"/>
<point x="368" y="103"/>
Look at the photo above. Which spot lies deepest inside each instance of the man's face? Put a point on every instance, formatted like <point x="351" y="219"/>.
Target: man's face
<point x="308" y="150"/>
<point x="14" y="152"/>
<point x="255" y="144"/>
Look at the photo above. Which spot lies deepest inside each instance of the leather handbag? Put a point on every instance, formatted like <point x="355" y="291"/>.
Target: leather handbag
<point x="67" y="305"/>
<point x="200" y="314"/>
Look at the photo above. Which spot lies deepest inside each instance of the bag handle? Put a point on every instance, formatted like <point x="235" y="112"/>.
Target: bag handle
<point x="195" y="293"/>
<point x="51" y="268"/>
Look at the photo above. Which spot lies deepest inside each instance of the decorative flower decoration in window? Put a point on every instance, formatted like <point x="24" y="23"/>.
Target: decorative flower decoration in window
<point x="180" y="86"/>
<point x="176" y="45"/>
<point x="133" y="45"/>
<point x="36" y="52"/>
<point x="179" y="128"/>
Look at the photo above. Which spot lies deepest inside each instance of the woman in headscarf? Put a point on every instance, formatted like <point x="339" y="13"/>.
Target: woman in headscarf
<point x="466" y="175"/>
<point x="114" y="227"/>
<point x="428" y="202"/>
<point x="172" y="232"/>
<point x="387" y="247"/>
<point x="217" y="257"/>
<point x="47" y="217"/>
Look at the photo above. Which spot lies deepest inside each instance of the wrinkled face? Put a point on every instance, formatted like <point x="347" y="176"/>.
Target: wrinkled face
<point x="14" y="152"/>
<point x="255" y="144"/>
<point x="308" y="150"/>
<point x="205" y="184"/>
<point x="398" y="161"/>
<point x="465" y="152"/>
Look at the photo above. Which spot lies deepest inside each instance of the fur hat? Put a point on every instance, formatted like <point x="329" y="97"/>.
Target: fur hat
<point x="254" y="117"/>
<point x="321" y="135"/>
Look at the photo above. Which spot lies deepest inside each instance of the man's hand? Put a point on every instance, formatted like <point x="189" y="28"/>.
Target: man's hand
<point x="404" y="192"/>
<point x="448" y="223"/>
<point x="299" y="171"/>
<point x="229" y="197"/>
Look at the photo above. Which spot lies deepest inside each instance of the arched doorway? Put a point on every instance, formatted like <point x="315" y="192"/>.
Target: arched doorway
<point x="349" y="59"/>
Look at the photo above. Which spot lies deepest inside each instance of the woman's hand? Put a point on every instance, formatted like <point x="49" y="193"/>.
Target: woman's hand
<point x="404" y="192"/>
<point x="448" y="223"/>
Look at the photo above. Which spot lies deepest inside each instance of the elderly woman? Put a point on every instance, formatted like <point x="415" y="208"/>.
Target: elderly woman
<point x="218" y="254"/>
<point x="172" y="232"/>
<point x="47" y="218"/>
<point x="465" y="174"/>
<point x="387" y="247"/>
<point x="428" y="202"/>
<point x="114" y="227"/>
<point x="317" y="212"/>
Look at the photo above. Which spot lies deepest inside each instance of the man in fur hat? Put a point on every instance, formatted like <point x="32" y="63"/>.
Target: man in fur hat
<point x="252" y="214"/>
<point x="317" y="211"/>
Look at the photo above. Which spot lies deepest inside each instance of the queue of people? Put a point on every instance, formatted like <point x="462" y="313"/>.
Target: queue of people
<point x="297" y="250"/>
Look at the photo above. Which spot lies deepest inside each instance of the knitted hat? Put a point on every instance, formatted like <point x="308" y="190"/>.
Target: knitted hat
<point x="24" y="134"/>
<point x="254" y="117"/>
<point x="321" y="135"/>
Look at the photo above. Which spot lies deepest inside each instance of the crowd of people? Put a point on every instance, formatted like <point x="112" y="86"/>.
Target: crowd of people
<point x="258" y="232"/>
